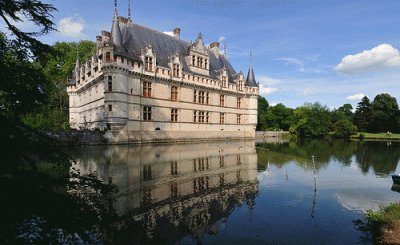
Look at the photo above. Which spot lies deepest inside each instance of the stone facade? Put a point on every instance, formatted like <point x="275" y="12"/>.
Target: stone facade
<point x="146" y="86"/>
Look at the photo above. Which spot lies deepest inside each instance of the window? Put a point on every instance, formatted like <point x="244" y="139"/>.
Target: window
<point x="222" y="118"/>
<point x="193" y="60"/>
<point x="238" y="102"/>
<point x="194" y="96"/>
<point x="115" y="58"/>
<point x="221" y="100"/>
<point x="201" y="116"/>
<point x="174" y="115"/>
<point x="147" y="172"/>
<point x="109" y="83"/>
<point x="205" y="63"/>
<point x="109" y="107"/>
<point x="207" y="117"/>
<point x="122" y="60"/>
<point x="201" y="97"/>
<point x="238" y="118"/>
<point x="175" y="72"/>
<point x="174" y="189"/>
<point x="174" y="93"/>
<point x="148" y="63"/>
<point x="147" y="113"/>
<point x="240" y="85"/>
<point x="108" y="57"/>
<point x="174" y="168"/>
<point x="147" y="89"/>
<point x="224" y="81"/>
<point x="238" y="159"/>
<point x="194" y="116"/>
<point x="208" y="98"/>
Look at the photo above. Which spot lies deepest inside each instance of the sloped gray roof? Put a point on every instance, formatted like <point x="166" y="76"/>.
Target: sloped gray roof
<point x="136" y="37"/>
<point x="251" y="80"/>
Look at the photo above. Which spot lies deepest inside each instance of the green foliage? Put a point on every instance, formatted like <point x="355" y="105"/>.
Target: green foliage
<point x="57" y="67"/>
<point x="384" y="215"/>
<point x="362" y="115"/>
<point x="385" y="114"/>
<point x="346" y="109"/>
<point x="23" y="84"/>
<point x="311" y="120"/>
<point x="262" y="109"/>
<point x="343" y="128"/>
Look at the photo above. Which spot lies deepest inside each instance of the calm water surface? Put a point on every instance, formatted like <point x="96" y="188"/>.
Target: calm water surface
<point x="243" y="193"/>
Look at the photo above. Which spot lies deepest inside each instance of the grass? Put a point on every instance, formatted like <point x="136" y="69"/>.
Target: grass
<point x="377" y="136"/>
<point x="385" y="215"/>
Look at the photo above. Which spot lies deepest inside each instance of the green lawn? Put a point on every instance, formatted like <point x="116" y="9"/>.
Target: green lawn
<point x="377" y="136"/>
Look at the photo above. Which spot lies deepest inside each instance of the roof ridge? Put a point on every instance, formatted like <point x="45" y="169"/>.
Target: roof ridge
<point x="160" y="32"/>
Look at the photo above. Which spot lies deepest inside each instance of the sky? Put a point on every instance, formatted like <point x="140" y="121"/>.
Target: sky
<point x="332" y="52"/>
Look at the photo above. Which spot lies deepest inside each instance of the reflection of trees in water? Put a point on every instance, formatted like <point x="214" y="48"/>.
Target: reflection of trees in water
<point x="379" y="156"/>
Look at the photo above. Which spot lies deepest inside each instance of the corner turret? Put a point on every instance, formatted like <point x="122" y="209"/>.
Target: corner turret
<point x="251" y="80"/>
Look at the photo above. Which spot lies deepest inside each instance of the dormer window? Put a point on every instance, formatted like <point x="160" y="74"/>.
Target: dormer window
<point x="175" y="72"/>
<point x="224" y="81"/>
<point x="108" y="56"/>
<point x="148" y="63"/>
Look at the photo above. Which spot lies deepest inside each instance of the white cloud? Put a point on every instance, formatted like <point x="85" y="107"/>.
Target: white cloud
<point x="307" y="91"/>
<point x="71" y="27"/>
<point x="381" y="57"/>
<point x="267" y="80"/>
<point x="358" y="96"/>
<point x="295" y="61"/>
<point x="169" y="33"/>
<point x="267" y="90"/>
<point x="221" y="39"/>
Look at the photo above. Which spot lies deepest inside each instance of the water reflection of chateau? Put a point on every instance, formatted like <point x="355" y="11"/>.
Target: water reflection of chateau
<point x="191" y="186"/>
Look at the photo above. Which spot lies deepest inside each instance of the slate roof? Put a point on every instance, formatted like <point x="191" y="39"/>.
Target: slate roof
<point x="136" y="37"/>
<point x="251" y="80"/>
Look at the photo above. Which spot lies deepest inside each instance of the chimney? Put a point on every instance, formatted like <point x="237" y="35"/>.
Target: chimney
<point x="177" y="33"/>
<point x="215" y="49"/>
<point x="99" y="41"/>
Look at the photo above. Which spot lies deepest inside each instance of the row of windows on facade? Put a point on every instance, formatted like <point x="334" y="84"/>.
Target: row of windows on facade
<point x="198" y="116"/>
<point x="176" y="71"/>
<point x="200" y="97"/>
<point x="199" y="165"/>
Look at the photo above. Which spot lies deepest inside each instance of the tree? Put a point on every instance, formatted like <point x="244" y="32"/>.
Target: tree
<point x="25" y="43"/>
<point x="35" y="198"/>
<point x="385" y="114"/>
<point x="261" y="112"/>
<point x="347" y="110"/>
<point x="278" y="117"/>
<point x="311" y="120"/>
<point x="362" y="115"/>
<point x="58" y="65"/>
<point x="342" y="127"/>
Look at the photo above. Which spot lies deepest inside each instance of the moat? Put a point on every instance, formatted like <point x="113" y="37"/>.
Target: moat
<point x="240" y="192"/>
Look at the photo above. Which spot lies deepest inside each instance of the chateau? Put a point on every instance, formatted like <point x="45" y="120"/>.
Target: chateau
<point x="142" y="85"/>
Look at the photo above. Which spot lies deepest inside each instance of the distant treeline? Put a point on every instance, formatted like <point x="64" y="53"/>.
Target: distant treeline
<point x="314" y="120"/>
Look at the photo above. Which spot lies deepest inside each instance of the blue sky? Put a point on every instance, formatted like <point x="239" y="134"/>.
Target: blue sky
<point x="333" y="52"/>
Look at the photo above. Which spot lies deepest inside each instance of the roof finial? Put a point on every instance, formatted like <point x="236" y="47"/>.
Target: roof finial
<point x="251" y="58"/>
<point x="225" y="53"/>
<point x="115" y="8"/>
<point x="129" y="10"/>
